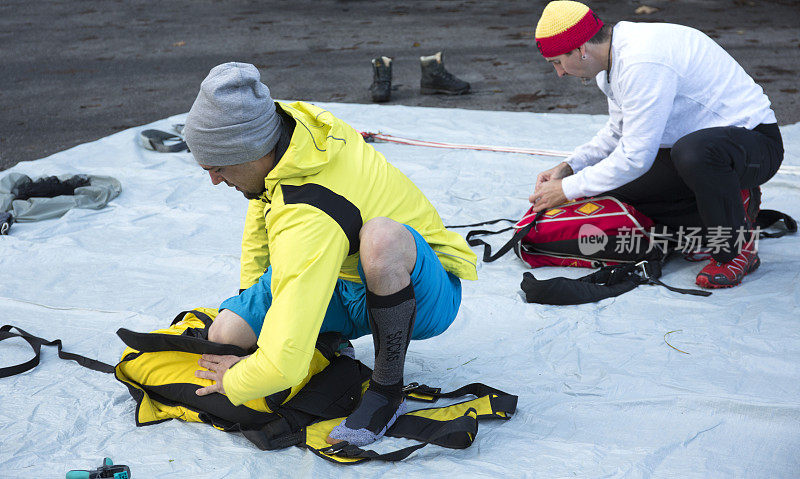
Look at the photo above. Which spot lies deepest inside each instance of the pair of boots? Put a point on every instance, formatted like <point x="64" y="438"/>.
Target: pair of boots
<point x="435" y="79"/>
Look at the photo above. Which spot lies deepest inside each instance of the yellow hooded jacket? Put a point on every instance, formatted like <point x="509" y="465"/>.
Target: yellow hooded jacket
<point x="327" y="184"/>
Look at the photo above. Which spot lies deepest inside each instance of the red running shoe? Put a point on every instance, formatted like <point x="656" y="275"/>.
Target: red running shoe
<point x="726" y="275"/>
<point x="751" y="200"/>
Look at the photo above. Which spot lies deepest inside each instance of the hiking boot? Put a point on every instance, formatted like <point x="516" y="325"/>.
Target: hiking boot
<point x="381" y="88"/>
<point x="724" y="275"/>
<point x="435" y="79"/>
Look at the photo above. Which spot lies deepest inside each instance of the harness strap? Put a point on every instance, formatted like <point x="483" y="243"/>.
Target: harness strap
<point x="421" y="392"/>
<point x="693" y="292"/>
<point x="162" y="141"/>
<point x="36" y="344"/>
<point x="607" y="282"/>
<point x="428" y="426"/>
<point x="768" y="218"/>
<point x="465" y="426"/>
<point x="482" y="223"/>
<point x="154" y="342"/>
<point x="488" y="257"/>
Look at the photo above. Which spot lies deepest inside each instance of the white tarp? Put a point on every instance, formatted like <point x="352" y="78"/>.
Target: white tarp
<point x="601" y="394"/>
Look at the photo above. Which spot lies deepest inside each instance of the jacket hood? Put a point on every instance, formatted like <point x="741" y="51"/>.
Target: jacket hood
<point x="314" y="135"/>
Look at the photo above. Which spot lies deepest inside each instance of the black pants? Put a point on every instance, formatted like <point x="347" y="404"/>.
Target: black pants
<point x="697" y="182"/>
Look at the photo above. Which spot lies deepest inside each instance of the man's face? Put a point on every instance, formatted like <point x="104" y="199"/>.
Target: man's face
<point x="248" y="178"/>
<point x="569" y="64"/>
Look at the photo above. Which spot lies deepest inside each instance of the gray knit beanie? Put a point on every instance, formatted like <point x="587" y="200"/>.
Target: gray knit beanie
<point x="233" y="120"/>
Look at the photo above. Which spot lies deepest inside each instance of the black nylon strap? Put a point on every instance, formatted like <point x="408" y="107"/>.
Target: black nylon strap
<point x="154" y="342"/>
<point x="487" y="250"/>
<point x="607" y="282"/>
<point x="693" y="292"/>
<point x="475" y="389"/>
<point x="464" y="427"/>
<point x="206" y="319"/>
<point x="36" y="344"/>
<point x="156" y="139"/>
<point x="768" y="218"/>
<point x="457" y="433"/>
<point x="488" y="257"/>
<point x="482" y="223"/>
<point x="193" y="340"/>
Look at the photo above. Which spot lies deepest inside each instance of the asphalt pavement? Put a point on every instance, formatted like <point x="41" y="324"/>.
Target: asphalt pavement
<point x="76" y="71"/>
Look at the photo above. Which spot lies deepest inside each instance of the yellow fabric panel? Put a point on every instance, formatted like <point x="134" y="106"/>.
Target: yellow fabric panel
<point x="315" y="438"/>
<point x="559" y="16"/>
<point x="149" y="410"/>
<point x="482" y="405"/>
<point x="167" y="367"/>
<point x="174" y="367"/>
<point x="255" y="247"/>
<point x="152" y="411"/>
<point x="210" y="312"/>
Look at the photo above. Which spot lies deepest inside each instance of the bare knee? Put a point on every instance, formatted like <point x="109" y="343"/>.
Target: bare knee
<point x="388" y="253"/>
<point x="230" y="328"/>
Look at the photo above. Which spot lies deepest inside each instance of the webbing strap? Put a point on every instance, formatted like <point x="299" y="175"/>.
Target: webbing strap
<point x="693" y="292"/>
<point x="465" y="427"/>
<point x="193" y="340"/>
<point x="421" y="392"/>
<point x="154" y="342"/>
<point x="156" y="140"/>
<point x="456" y="433"/>
<point x="488" y="257"/>
<point x="607" y="282"/>
<point x="36" y="344"/>
<point x="768" y="218"/>
<point x="482" y="223"/>
<point x="643" y="272"/>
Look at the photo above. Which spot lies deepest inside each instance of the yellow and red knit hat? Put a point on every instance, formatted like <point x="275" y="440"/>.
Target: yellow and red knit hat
<point x="565" y="26"/>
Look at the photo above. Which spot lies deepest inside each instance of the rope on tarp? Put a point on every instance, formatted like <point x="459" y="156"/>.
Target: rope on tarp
<point x="371" y="137"/>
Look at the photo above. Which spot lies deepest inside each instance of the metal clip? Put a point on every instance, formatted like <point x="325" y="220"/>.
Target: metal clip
<point x="642" y="265"/>
<point x="333" y="449"/>
<point x="410" y="387"/>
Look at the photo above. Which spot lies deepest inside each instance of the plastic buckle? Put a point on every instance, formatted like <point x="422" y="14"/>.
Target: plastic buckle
<point x="642" y="265"/>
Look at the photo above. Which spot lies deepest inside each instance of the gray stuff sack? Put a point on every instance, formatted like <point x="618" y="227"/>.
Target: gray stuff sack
<point x="96" y="195"/>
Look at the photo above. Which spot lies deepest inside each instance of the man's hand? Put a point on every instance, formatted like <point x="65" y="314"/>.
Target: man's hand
<point x="561" y="170"/>
<point x="216" y="365"/>
<point x="548" y="195"/>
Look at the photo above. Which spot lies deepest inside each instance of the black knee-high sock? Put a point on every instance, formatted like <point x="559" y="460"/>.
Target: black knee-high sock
<point x="391" y="319"/>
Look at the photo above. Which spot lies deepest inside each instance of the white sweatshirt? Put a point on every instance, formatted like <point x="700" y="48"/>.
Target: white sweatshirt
<point x="666" y="82"/>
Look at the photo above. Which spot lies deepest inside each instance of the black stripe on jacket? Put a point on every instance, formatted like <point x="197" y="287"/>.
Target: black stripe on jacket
<point x="345" y="213"/>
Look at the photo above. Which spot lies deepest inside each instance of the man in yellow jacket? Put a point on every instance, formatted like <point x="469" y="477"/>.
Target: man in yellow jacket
<point x="336" y="239"/>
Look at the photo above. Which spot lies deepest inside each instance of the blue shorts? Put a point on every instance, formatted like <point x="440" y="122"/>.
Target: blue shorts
<point x="437" y="292"/>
